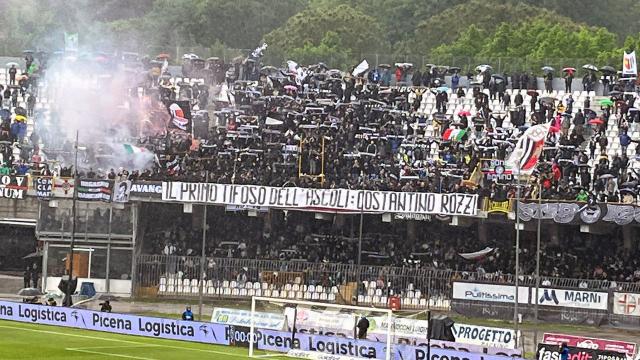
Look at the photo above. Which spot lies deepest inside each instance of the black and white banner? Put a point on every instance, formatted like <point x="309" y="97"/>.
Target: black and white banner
<point x="13" y="187"/>
<point x="122" y="191"/>
<point x="333" y="200"/>
<point x="579" y="213"/>
<point x="146" y="189"/>
<point x="43" y="186"/>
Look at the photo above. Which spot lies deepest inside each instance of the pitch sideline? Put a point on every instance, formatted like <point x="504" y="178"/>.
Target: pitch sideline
<point x="119" y="340"/>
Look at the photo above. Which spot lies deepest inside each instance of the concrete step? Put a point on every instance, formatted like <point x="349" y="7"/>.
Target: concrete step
<point x="10" y="284"/>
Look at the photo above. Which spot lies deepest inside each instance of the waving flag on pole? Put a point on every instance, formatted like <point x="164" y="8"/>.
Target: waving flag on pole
<point x="361" y="68"/>
<point x="453" y="134"/>
<point x="629" y="66"/>
<point x="526" y="154"/>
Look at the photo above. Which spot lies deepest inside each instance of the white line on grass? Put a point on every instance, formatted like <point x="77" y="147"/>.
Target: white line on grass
<point x="112" y="347"/>
<point x="122" y="341"/>
<point x="111" y="354"/>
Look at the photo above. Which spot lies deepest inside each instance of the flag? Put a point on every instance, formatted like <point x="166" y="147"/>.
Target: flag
<point x="131" y="149"/>
<point x="528" y="149"/>
<point x="70" y="41"/>
<point x="361" y="68"/>
<point x="478" y="254"/>
<point x="122" y="191"/>
<point x="180" y="112"/>
<point x="453" y="134"/>
<point x="629" y="66"/>
<point x="257" y="53"/>
<point x="95" y="190"/>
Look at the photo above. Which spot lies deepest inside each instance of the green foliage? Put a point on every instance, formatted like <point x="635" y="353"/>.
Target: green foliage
<point x="487" y="15"/>
<point x="537" y="39"/>
<point x="618" y="16"/>
<point x="326" y="28"/>
<point x="340" y="32"/>
<point x="330" y="51"/>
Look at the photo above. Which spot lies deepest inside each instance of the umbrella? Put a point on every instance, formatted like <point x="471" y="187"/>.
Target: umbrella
<point x="442" y="89"/>
<point x="590" y="67"/>
<point x="606" y="102"/>
<point x="10" y="64"/>
<point x="29" y="292"/>
<point x="614" y="93"/>
<point x="483" y="68"/>
<point x="213" y="58"/>
<point x="384" y="66"/>
<point x="273" y="122"/>
<point x="596" y="121"/>
<point x="454" y="69"/>
<point x="290" y="87"/>
<point x="498" y="76"/>
<point x="606" y="176"/>
<point x="569" y="69"/>
<point x="548" y="99"/>
<point x="163" y="56"/>
<point x="608" y="69"/>
<point x="547" y="69"/>
<point x="464" y="113"/>
<point x="532" y="93"/>
<point x="269" y="68"/>
<point x="28" y="52"/>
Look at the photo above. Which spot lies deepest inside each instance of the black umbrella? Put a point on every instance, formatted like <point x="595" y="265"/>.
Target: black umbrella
<point x="454" y="69"/>
<point x="608" y="68"/>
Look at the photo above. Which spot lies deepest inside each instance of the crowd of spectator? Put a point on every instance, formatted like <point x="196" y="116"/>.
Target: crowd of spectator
<point x="364" y="129"/>
<point x="319" y="127"/>
<point x="298" y="236"/>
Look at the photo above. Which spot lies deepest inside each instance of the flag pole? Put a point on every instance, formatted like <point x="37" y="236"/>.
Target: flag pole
<point x="538" y="235"/>
<point x="517" y="270"/>
<point x="67" y="298"/>
<point x="203" y="256"/>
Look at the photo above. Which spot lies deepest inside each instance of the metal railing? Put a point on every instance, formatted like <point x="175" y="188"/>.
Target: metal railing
<point x="431" y="288"/>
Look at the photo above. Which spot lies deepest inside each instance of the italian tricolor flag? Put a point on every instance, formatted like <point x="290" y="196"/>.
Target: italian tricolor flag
<point x="453" y="134"/>
<point x="131" y="149"/>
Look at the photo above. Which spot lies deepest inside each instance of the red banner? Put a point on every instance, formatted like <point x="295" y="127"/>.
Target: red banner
<point x="591" y="343"/>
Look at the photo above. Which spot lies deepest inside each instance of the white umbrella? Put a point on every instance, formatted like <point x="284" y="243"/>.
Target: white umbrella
<point x="483" y="68"/>
<point x="10" y="64"/>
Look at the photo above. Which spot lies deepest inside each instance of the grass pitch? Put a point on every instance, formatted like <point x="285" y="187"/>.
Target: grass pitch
<point x="22" y="341"/>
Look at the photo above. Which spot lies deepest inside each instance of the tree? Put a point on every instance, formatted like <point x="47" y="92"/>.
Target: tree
<point x="487" y="15"/>
<point x="358" y="33"/>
